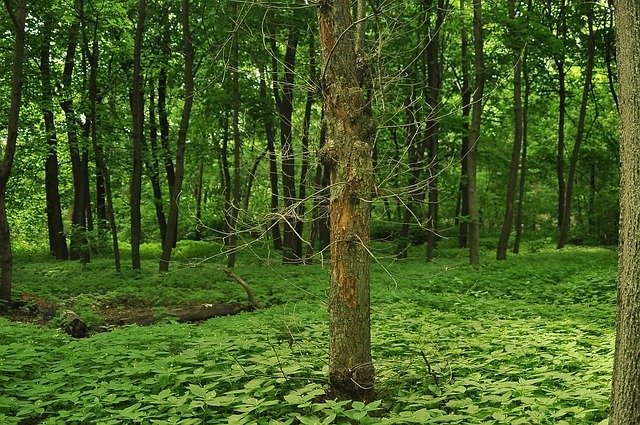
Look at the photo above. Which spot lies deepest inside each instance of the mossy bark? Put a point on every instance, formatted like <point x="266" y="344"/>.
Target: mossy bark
<point x="348" y="153"/>
<point x="625" y="399"/>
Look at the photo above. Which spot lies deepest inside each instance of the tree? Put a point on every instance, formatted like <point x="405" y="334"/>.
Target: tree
<point x="350" y="133"/>
<point x="57" y="240"/>
<point x="476" y="117"/>
<point x="518" y="54"/>
<point x="176" y="189"/>
<point x="625" y="396"/>
<point x="6" y="256"/>
<point x="137" y="114"/>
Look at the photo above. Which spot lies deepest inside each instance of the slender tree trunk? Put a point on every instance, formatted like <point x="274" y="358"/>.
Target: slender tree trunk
<point x="562" y="106"/>
<point x="57" y="240"/>
<point x="101" y="164"/>
<point x="465" y="93"/>
<point x="235" y="128"/>
<point x="351" y="130"/>
<point x="6" y="256"/>
<point x="476" y="117"/>
<point x="252" y="177"/>
<point x="573" y="164"/>
<point x="198" y="195"/>
<point x="172" y="222"/>
<point x="284" y="101"/>
<point x="274" y="222"/>
<point x="304" y="165"/>
<point x="609" y="56"/>
<point x="523" y="159"/>
<point x="137" y="114"/>
<point x="433" y="86"/>
<point x="226" y="180"/>
<point x="153" y="166"/>
<point x="625" y="394"/>
<point x="517" y="146"/>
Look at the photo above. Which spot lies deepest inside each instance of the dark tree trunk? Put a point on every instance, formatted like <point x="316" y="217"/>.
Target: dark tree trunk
<point x="172" y="222"/>
<point x="226" y="179"/>
<point x="284" y="100"/>
<point x="561" y="30"/>
<point x="625" y="393"/>
<point x="137" y="114"/>
<point x="6" y="257"/>
<point x="465" y="93"/>
<point x="57" y="240"/>
<point x="153" y="166"/>
<point x="434" y="82"/>
<point x="476" y="118"/>
<point x="351" y="130"/>
<point x="103" y="170"/>
<point x="234" y="62"/>
<point x="507" y="223"/>
<point x="78" y="244"/>
<point x="252" y="177"/>
<point x="573" y="164"/>
<point x="274" y="222"/>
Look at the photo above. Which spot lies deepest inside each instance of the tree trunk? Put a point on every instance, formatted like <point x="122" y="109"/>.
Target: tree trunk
<point x="6" y="257"/>
<point x="625" y="394"/>
<point x="78" y="244"/>
<point x="172" y="222"/>
<point x="433" y="86"/>
<point x="235" y="128"/>
<point x="57" y="240"/>
<point x="476" y="117"/>
<point x="197" y="234"/>
<point x="103" y="170"/>
<point x="517" y="146"/>
<point x="465" y="94"/>
<point x="153" y="166"/>
<point x="274" y="222"/>
<point x="284" y="100"/>
<point x="137" y="114"/>
<point x="523" y="160"/>
<point x="573" y="164"/>
<point x="350" y="133"/>
<point x="562" y="98"/>
<point x="226" y="179"/>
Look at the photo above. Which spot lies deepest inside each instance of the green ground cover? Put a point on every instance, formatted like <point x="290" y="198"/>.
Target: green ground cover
<point x="526" y="341"/>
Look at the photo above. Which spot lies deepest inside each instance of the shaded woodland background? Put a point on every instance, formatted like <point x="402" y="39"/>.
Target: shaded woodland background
<point x="116" y="94"/>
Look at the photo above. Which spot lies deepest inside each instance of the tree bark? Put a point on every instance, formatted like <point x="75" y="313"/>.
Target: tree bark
<point x="57" y="240"/>
<point x="103" y="170"/>
<point x="625" y="394"/>
<point x="153" y="166"/>
<point x="573" y="164"/>
<point x="172" y="222"/>
<point x="433" y="86"/>
<point x="476" y="118"/>
<point x="350" y="133"/>
<point x="507" y="223"/>
<point x="197" y="233"/>
<point x="235" y="128"/>
<point x="274" y="222"/>
<point x="465" y="94"/>
<point x="562" y="106"/>
<point x="17" y="77"/>
<point x="137" y="114"/>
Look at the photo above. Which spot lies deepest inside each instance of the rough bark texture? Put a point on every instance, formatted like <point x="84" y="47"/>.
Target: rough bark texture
<point x="503" y="242"/>
<point x="57" y="240"/>
<point x="172" y="221"/>
<point x="6" y="258"/>
<point x="625" y="400"/>
<point x="476" y="116"/>
<point x="350" y="133"/>
<point x="137" y="113"/>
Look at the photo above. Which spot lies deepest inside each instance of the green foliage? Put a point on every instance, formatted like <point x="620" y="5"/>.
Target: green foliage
<point x="528" y="341"/>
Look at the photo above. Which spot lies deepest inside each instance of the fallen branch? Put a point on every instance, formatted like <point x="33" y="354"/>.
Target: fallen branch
<point x="245" y="285"/>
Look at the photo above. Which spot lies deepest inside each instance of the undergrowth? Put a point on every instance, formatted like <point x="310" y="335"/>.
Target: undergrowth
<point x="524" y="341"/>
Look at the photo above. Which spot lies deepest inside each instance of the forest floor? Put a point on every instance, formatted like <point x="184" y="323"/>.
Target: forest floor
<point x="524" y="341"/>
